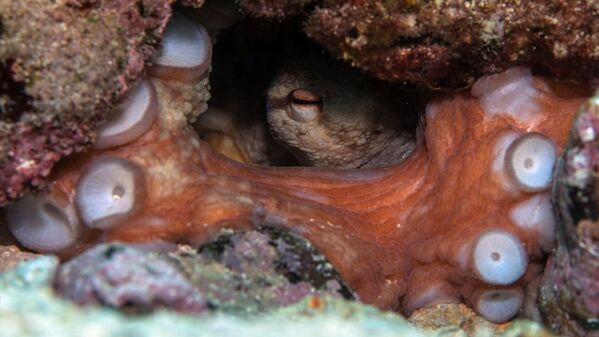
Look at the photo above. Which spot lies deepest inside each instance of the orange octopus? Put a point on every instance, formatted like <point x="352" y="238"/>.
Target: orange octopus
<point x="465" y="217"/>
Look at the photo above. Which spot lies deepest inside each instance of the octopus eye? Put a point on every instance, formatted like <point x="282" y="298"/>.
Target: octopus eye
<point x="131" y="119"/>
<point x="304" y="105"/>
<point x="42" y="224"/>
<point x="111" y="191"/>
<point x="529" y="161"/>
<point x="186" y="51"/>
<point x="498" y="305"/>
<point x="499" y="257"/>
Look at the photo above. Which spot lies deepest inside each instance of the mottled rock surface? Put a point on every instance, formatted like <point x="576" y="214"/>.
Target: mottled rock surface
<point x="28" y="307"/>
<point x="453" y="42"/>
<point x="450" y="43"/>
<point x="248" y="272"/>
<point x="257" y="271"/>
<point x="10" y="256"/>
<point x="127" y="278"/>
<point x="440" y="316"/>
<point x="63" y="64"/>
<point x="270" y="9"/>
<point x="569" y="295"/>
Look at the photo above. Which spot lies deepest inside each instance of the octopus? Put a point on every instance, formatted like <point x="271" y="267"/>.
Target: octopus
<point x="238" y="129"/>
<point x="331" y="116"/>
<point x="464" y="217"/>
<point x="319" y="113"/>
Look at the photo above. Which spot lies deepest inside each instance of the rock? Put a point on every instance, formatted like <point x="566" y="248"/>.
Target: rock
<point x="248" y="272"/>
<point x="278" y="9"/>
<point x="449" y="316"/>
<point x="10" y="256"/>
<point x="127" y="278"/>
<point x="63" y="64"/>
<point x="35" y="274"/>
<point x="257" y="271"/>
<point x="451" y="43"/>
<point x="569" y="294"/>
<point x="29" y="307"/>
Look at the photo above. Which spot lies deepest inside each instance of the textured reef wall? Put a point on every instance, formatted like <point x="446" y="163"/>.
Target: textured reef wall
<point x="569" y="296"/>
<point x="273" y="9"/>
<point x="26" y="296"/>
<point x="451" y="43"/>
<point x="62" y="66"/>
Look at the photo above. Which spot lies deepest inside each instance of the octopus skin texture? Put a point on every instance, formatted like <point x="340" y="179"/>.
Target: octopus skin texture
<point x="319" y="113"/>
<point x="238" y="129"/>
<point x="465" y="217"/>
<point x="330" y="115"/>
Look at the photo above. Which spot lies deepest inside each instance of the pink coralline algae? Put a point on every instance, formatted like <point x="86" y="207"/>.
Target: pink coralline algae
<point x="125" y="277"/>
<point x="62" y="66"/>
<point x="240" y="272"/>
<point x="270" y="9"/>
<point x="451" y="43"/>
<point x="569" y="296"/>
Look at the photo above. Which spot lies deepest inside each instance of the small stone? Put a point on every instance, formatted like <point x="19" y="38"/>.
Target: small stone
<point x="10" y="256"/>
<point x="127" y="278"/>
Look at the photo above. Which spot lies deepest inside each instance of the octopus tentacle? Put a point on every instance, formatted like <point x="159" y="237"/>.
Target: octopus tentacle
<point x="44" y="223"/>
<point x="186" y="51"/>
<point x="499" y="257"/>
<point x="130" y="120"/>
<point x="109" y="192"/>
<point x="498" y="304"/>
<point x="425" y="288"/>
<point x="417" y="193"/>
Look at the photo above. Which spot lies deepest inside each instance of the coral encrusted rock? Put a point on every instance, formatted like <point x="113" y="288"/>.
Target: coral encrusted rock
<point x="63" y="64"/>
<point x="451" y="43"/>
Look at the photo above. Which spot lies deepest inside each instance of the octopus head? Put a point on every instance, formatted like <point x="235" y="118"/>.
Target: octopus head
<point x="333" y="116"/>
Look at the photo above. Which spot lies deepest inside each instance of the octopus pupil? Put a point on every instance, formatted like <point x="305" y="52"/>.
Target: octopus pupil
<point x="118" y="192"/>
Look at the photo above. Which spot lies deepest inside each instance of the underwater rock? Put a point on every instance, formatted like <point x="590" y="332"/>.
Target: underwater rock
<point x="29" y="307"/>
<point x="28" y="275"/>
<point x="269" y="9"/>
<point x="459" y="320"/>
<point x="260" y="270"/>
<point x="127" y="278"/>
<point x="440" y="316"/>
<point x="192" y="3"/>
<point x="62" y="66"/>
<point x="452" y="43"/>
<point x="10" y="256"/>
<point x="245" y="272"/>
<point x="569" y="294"/>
